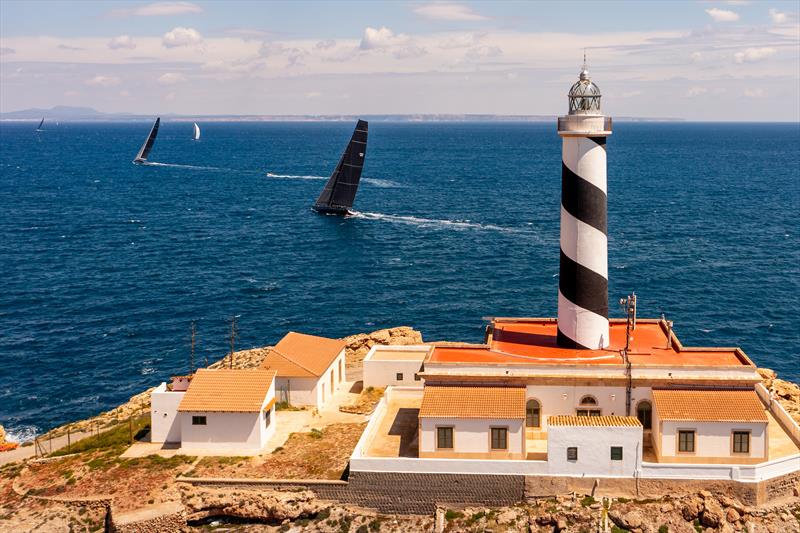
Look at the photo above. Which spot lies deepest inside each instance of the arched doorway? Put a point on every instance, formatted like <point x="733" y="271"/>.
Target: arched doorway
<point x="644" y="412"/>
<point x="533" y="414"/>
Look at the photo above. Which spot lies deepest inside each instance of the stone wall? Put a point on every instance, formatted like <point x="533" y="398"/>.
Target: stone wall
<point x="780" y="487"/>
<point x="397" y="492"/>
<point x="160" y="524"/>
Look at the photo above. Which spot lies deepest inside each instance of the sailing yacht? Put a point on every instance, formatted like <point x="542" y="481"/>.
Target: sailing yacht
<point x="340" y="191"/>
<point x="39" y="127"/>
<point x="144" y="151"/>
<point x="196" y="132"/>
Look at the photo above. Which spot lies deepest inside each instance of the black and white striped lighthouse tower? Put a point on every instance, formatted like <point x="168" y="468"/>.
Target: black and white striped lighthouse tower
<point x="583" y="274"/>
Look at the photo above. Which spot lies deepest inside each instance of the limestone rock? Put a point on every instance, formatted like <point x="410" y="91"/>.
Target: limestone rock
<point x="253" y="505"/>
<point x="712" y="515"/>
<point x="2" y="434"/>
<point x="628" y="520"/>
<point x="732" y="515"/>
<point x="691" y="509"/>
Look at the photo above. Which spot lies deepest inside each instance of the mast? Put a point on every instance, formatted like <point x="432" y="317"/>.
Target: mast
<point x="144" y="151"/>
<point x="340" y="190"/>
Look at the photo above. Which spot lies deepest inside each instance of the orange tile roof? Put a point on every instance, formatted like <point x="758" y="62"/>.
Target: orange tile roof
<point x="593" y="421"/>
<point x="472" y="402"/>
<point x="533" y="341"/>
<point x="300" y="355"/>
<point x="227" y="390"/>
<point x="708" y="405"/>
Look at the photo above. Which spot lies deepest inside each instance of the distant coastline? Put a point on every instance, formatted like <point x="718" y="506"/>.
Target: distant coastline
<point x="87" y="114"/>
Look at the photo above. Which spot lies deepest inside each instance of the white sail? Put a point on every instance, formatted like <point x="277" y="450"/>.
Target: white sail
<point x="196" y="132"/>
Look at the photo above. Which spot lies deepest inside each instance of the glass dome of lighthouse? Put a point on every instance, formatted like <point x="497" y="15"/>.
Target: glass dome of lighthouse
<point x="584" y="96"/>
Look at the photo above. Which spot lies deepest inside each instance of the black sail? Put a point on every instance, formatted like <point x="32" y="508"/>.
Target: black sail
<point x="144" y="151"/>
<point x="39" y="127"/>
<point x="340" y="191"/>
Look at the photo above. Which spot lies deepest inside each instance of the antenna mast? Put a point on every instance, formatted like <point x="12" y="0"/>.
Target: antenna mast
<point x="233" y="337"/>
<point x="191" y="357"/>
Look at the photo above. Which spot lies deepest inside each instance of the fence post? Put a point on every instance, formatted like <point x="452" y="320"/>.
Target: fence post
<point x="69" y="441"/>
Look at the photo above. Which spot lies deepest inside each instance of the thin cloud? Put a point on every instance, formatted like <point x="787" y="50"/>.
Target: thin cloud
<point x="158" y="9"/>
<point x="448" y="11"/>
<point x="722" y="15"/>
<point x="171" y="78"/>
<point x="123" y="41"/>
<point x="751" y="55"/>
<point x="70" y="48"/>
<point x="778" y="17"/>
<point x="103" y="81"/>
<point x="181" y="36"/>
<point x="383" y="37"/>
<point x="696" y="91"/>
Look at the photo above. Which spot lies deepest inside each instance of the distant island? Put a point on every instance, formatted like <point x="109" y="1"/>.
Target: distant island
<point x="87" y="114"/>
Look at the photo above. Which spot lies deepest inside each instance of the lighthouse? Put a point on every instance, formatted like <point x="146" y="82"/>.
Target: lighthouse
<point x="583" y="271"/>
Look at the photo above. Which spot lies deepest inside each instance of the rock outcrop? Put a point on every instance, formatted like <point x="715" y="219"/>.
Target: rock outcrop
<point x="258" y="506"/>
<point x="786" y="392"/>
<point x="359" y="345"/>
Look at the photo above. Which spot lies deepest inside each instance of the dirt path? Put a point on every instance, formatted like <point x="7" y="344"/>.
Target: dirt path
<point x="26" y="452"/>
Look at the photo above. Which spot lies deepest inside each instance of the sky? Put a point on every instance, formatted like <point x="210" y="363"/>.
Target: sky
<point x="731" y="60"/>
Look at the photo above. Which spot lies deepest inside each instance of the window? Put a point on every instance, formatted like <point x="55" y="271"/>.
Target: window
<point x="198" y="421"/>
<point x="686" y="441"/>
<point x="267" y="417"/>
<point x="572" y="453"/>
<point x="616" y="453"/>
<point x="588" y="400"/>
<point x="444" y="438"/>
<point x="533" y="414"/>
<point x="399" y="376"/>
<point x="741" y="442"/>
<point x="499" y="438"/>
<point x="644" y="412"/>
<point x="588" y="412"/>
<point x="417" y="377"/>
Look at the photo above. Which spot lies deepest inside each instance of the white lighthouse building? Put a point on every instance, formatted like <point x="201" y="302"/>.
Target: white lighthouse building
<point x="583" y="273"/>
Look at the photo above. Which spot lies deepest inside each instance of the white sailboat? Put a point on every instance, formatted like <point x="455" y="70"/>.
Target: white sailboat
<point x="196" y="132"/>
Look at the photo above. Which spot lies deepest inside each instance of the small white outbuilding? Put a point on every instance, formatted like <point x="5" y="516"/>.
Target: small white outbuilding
<point x="398" y="366"/>
<point x="309" y="369"/>
<point x="225" y="411"/>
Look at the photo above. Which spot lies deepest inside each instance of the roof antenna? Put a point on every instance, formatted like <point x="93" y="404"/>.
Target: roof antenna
<point x="629" y="304"/>
<point x="191" y="356"/>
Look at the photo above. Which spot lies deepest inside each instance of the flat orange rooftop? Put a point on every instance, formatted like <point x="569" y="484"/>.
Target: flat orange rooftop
<point x="533" y="341"/>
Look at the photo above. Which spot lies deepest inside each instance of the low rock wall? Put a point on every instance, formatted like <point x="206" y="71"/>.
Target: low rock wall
<point x="160" y="524"/>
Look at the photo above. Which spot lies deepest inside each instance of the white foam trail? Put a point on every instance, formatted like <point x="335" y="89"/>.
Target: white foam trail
<point x="437" y="223"/>
<point x="295" y="176"/>
<point x="384" y="184"/>
<point x="194" y="167"/>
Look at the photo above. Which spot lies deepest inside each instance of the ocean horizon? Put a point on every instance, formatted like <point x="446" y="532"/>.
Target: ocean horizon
<point x="106" y="264"/>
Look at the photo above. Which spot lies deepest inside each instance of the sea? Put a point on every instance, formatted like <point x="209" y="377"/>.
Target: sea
<point x="104" y="265"/>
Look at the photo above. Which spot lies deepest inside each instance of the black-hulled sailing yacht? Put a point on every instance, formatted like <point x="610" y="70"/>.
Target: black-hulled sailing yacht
<point x="39" y="127"/>
<point x="339" y="193"/>
<point x="144" y="151"/>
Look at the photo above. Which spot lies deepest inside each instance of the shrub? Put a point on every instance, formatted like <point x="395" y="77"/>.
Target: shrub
<point x="316" y="434"/>
<point x="375" y="525"/>
<point x="587" y="501"/>
<point x="362" y="529"/>
<point x="663" y="528"/>
<point x="452" y="515"/>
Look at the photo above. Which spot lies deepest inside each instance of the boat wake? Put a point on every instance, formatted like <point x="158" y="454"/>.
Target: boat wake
<point x="458" y="225"/>
<point x="295" y="177"/>
<point x="377" y="182"/>
<point x="193" y="167"/>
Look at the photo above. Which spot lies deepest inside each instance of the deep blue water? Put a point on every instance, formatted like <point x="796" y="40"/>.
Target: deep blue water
<point x="104" y="264"/>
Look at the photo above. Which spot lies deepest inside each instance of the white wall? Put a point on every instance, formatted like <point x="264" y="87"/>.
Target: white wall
<point x="309" y="391"/>
<point x="565" y="399"/>
<point x="229" y="432"/>
<point x="381" y="373"/>
<point x="471" y="435"/>
<point x="163" y="413"/>
<point x="713" y="439"/>
<point x="594" y="450"/>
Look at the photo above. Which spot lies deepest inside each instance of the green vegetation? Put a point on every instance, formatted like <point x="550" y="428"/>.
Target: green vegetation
<point x="344" y="523"/>
<point x="286" y="406"/>
<point x="362" y="529"/>
<point x="116" y="436"/>
<point x="323" y="514"/>
<point x="588" y="500"/>
<point x="316" y="434"/>
<point x="452" y="515"/>
<point x="698" y="526"/>
<point x="617" y="529"/>
<point x="623" y="500"/>
<point x="663" y="528"/>
<point x="375" y="525"/>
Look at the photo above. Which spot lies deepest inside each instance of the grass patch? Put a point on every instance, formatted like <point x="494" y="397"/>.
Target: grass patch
<point x="452" y="515"/>
<point x="663" y="528"/>
<point x="286" y="406"/>
<point x="588" y="500"/>
<point x="316" y="434"/>
<point x="119" y="435"/>
<point x="617" y="529"/>
<point x="623" y="500"/>
<point x="698" y="526"/>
